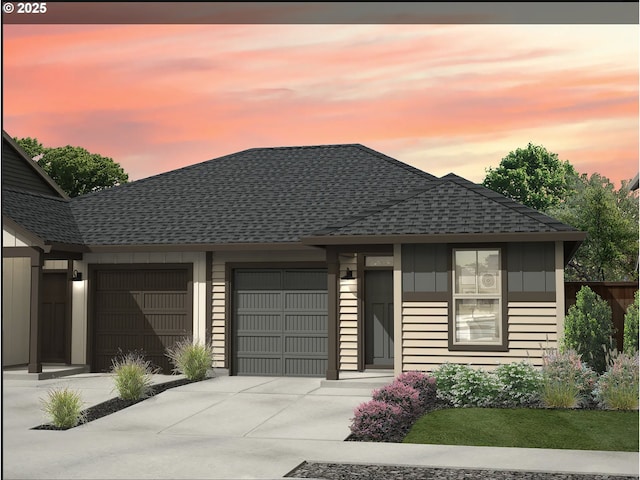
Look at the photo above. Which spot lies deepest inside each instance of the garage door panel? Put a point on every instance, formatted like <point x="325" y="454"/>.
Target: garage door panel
<point x="250" y="345"/>
<point x="112" y="342"/>
<point x="165" y="280"/>
<point x="283" y="331"/>
<point x="300" y="367"/>
<point x="255" y="323"/>
<point x="305" y="345"/>
<point x="113" y="321"/>
<point x="119" y="280"/>
<point x="259" y="300"/>
<point x="306" y="301"/>
<point x="159" y="342"/>
<point x="118" y="301"/>
<point x="306" y="323"/>
<point x="164" y="301"/>
<point x="160" y="322"/>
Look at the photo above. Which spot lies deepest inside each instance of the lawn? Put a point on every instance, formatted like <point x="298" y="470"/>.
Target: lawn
<point x="529" y="428"/>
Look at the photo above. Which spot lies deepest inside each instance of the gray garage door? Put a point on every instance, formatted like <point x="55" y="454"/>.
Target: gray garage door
<point x="140" y="309"/>
<point x="280" y="322"/>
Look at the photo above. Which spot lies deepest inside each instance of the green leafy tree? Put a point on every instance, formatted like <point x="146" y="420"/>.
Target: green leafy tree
<point x="610" y="218"/>
<point x="588" y="329"/>
<point x="533" y="176"/>
<point x="75" y="169"/>
<point x="630" y="335"/>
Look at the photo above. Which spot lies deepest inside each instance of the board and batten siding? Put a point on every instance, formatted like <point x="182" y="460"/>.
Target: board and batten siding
<point x="348" y="316"/>
<point x="11" y="238"/>
<point x="16" y="310"/>
<point x="79" y="315"/>
<point x="531" y="327"/>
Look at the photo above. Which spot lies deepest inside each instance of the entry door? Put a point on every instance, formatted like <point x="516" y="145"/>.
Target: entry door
<point x="53" y="318"/>
<point x="379" y="318"/>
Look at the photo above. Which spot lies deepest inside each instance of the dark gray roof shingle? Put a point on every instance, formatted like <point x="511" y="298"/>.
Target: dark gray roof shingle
<point x="48" y="217"/>
<point x="260" y="195"/>
<point x="452" y="205"/>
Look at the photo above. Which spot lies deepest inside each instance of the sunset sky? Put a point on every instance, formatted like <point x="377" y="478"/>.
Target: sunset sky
<point x="443" y="98"/>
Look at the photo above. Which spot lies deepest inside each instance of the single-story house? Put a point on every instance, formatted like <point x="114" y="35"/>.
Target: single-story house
<point x="296" y="261"/>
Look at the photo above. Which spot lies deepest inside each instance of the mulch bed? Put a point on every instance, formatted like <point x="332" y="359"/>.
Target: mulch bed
<point x="114" y="405"/>
<point x="344" y="471"/>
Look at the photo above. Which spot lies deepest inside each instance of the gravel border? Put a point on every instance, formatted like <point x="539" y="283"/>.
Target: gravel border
<point x="345" y="471"/>
<point x="116" y="404"/>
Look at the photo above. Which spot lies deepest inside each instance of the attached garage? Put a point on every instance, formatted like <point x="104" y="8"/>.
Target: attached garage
<point x="140" y="308"/>
<point x="280" y="322"/>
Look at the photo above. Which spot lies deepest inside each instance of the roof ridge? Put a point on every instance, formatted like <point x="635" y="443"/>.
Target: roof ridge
<point x="374" y="210"/>
<point x="396" y="162"/>
<point x="507" y="202"/>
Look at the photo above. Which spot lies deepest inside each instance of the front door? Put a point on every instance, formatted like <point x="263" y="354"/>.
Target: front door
<point x="379" y="318"/>
<point x="53" y="318"/>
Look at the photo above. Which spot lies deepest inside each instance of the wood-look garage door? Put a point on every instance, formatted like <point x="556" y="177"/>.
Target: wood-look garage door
<point x="143" y="308"/>
<point x="280" y="322"/>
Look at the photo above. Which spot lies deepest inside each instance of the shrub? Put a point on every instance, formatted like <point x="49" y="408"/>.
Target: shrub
<point x="566" y="381"/>
<point x="402" y="395"/>
<point x="630" y="334"/>
<point x="424" y="384"/>
<point x="192" y="359"/>
<point x="64" y="407"/>
<point x="133" y="376"/>
<point x="464" y="386"/>
<point x="519" y="385"/>
<point x="617" y="388"/>
<point x="588" y="329"/>
<point x="376" y="421"/>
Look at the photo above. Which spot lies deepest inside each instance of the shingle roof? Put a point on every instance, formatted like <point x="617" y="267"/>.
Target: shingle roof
<point x="46" y="216"/>
<point x="260" y="195"/>
<point x="451" y="205"/>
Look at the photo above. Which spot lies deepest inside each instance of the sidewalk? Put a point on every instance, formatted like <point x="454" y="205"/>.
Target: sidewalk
<point x="236" y="427"/>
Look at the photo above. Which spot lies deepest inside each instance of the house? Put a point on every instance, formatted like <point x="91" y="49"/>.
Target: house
<point x="296" y="261"/>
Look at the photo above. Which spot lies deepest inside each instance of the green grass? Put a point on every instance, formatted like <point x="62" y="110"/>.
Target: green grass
<point x="529" y="428"/>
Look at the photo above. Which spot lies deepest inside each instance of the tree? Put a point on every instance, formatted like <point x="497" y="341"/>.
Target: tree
<point x="630" y="334"/>
<point x="75" y="169"/>
<point x="610" y="218"/>
<point x="588" y="329"/>
<point x="533" y="176"/>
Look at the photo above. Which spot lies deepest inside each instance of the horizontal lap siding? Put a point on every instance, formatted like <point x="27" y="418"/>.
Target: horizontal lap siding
<point x="218" y="330"/>
<point x="348" y="318"/>
<point x="532" y="326"/>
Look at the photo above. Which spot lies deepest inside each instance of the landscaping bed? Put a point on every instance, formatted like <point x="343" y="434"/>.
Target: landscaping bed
<point x="116" y="404"/>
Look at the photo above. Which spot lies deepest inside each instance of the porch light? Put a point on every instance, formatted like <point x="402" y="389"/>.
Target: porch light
<point x="348" y="275"/>
<point x="77" y="276"/>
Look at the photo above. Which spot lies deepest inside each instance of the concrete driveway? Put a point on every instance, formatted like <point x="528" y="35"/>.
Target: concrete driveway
<point x="235" y="427"/>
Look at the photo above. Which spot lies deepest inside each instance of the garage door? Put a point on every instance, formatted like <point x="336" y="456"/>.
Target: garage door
<point x="280" y="322"/>
<point x="144" y="309"/>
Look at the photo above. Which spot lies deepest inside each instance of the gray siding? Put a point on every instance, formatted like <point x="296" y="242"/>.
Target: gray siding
<point x="17" y="174"/>
<point x="425" y="268"/>
<point x="531" y="267"/>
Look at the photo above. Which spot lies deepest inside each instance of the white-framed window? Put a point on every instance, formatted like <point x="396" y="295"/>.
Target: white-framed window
<point x="477" y="297"/>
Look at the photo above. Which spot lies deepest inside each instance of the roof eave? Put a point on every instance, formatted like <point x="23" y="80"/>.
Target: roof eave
<point x="201" y="247"/>
<point x="325" y="240"/>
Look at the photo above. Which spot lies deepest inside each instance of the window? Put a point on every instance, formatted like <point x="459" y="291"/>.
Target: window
<point x="477" y="297"/>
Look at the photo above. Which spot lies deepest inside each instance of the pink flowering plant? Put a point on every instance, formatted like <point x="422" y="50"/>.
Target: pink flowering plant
<point x="617" y="388"/>
<point x="378" y="421"/>
<point x="404" y="396"/>
<point x="424" y="384"/>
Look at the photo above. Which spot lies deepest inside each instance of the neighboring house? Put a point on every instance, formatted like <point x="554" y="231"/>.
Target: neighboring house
<point x="295" y="261"/>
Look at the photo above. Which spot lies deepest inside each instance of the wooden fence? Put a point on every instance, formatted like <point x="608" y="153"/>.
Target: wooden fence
<point x="619" y="295"/>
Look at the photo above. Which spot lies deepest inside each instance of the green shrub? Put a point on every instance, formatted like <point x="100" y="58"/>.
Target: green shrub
<point x="520" y="385"/>
<point x="566" y="381"/>
<point x="133" y="376"/>
<point x="64" y="407"/>
<point x="588" y="329"/>
<point x="464" y="386"/>
<point x="191" y="359"/>
<point x="617" y="388"/>
<point x="630" y="334"/>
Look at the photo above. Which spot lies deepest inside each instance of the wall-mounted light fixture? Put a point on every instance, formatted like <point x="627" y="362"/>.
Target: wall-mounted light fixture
<point x="77" y="276"/>
<point x="348" y="275"/>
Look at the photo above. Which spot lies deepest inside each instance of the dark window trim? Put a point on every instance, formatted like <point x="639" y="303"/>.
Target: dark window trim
<point x="532" y="297"/>
<point x="478" y="347"/>
<point x="426" y="296"/>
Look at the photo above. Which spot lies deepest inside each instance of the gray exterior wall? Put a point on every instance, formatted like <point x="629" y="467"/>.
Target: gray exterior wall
<point x="17" y="174"/>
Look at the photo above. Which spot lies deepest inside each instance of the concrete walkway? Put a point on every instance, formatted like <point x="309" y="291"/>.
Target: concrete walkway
<point x="235" y="427"/>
